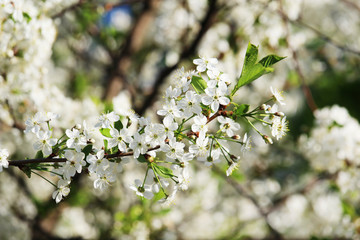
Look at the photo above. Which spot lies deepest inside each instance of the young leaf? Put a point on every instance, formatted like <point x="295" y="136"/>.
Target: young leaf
<point x="252" y="70"/>
<point x="141" y="159"/>
<point x="105" y="145"/>
<point x="198" y="84"/>
<point x="39" y="154"/>
<point x="27" y="17"/>
<point x="163" y="171"/>
<point x="87" y="150"/>
<point x="26" y="170"/>
<point x="105" y="132"/>
<point x="270" y="60"/>
<point x="240" y="110"/>
<point x="118" y="125"/>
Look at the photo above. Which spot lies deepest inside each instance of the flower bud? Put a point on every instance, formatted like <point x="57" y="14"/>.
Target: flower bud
<point x="279" y="114"/>
<point x="236" y="137"/>
<point x="77" y="126"/>
<point x="263" y="107"/>
<point x="149" y="158"/>
<point x="267" y="139"/>
<point x="234" y="158"/>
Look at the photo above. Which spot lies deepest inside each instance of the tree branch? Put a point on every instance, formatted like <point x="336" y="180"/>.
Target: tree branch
<point x="121" y="60"/>
<point x="187" y="52"/>
<point x="305" y="88"/>
<point x="242" y="191"/>
<point x="57" y="160"/>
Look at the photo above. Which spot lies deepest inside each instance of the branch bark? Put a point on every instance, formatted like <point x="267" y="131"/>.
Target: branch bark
<point x="121" y="60"/>
<point x="206" y="23"/>
<point x="242" y="191"/>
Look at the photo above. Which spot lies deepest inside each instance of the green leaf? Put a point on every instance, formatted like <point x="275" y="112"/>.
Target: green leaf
<point x="270" y="60"/>
<point x="240" y="110"/>
<point x="252" y="70"/>
<point x="26" y="170"/>
<point x="158" y="196"/>
<point x="348" y="209"/>
<point x="105" y="145"/>
<point x="39" y="154"/>
<point x="163" y="171"/>
<point x="198" y="84"/>
<point x="87" y="150"/>
<point x="105" y="132"/>
<point x="119" y="125"/>
<point x="108" y="106"/>
<point x="27" y="17"/>
<point x="141" y="159"/>
<point x="114" y="150"/>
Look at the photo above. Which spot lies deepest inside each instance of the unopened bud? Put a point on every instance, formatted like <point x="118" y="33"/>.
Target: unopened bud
<point x="128" y="123"/>
<point x="78" y="126"/>
<point x="267" y="139"/>
<point x="230" y="113"/>
<point x="236" y="137"/>
<point x="263" y="107"/>
<point x="149" y="158"/>
<point x="234" y="158"/>
<point x="279" y="114"/>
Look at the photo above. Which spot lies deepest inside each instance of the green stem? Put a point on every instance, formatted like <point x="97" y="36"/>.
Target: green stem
<point x="157" y="177"/>
<point x="147" y="171"/>
<point x="43" y="178"/>
<point x="252" y="125"/>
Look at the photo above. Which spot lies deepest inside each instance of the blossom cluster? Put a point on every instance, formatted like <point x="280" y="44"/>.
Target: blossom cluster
<point x="333" y="146"/>
<point x="334" y="142"/>
<point x="188" y="131"/>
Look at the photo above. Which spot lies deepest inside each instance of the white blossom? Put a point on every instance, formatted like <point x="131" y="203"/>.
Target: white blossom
<point x="98" y="162"/>
<point x="119" y="139"/>
<point x="216" y="96"/>
<point x="142" y="190"/>
<point x="228" y="125"/>
<point x="277" y="96"/>
<point x="190" y="104"/>
<point x="4" y="163"/>
<point x="62" y="191"/>
<point x="76" y="139"/>
<point x="205" y="63"/>
<point x="106" y="120"/>
<point x="45" y="142"/>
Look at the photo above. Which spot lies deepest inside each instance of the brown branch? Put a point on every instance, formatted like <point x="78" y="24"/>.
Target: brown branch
<point x="36" y="160"/>
<point x="16" y="124"/>
<point x="351" y="4"/>
<point x="57" y="160"/>
<point x="242" y="191"/>
<point x="71" y="7"/>
<point x="305" y="88"/>
<point x="121" y="60"/>
<point x="107" y="6"/>
<point x="206" y="23"/>
<point x="325" y="37"/>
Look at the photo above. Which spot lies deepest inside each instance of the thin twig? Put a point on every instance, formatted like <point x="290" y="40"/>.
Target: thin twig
<point x="305" y="88"/>
<point x="206" y="23"/>
<point x="58" y="160"/>
<point x="121" y="58"/>
<point x="242" y="191"/>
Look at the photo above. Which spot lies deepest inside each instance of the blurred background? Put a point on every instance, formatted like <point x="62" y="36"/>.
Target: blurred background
<point x="81" y="58"/>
